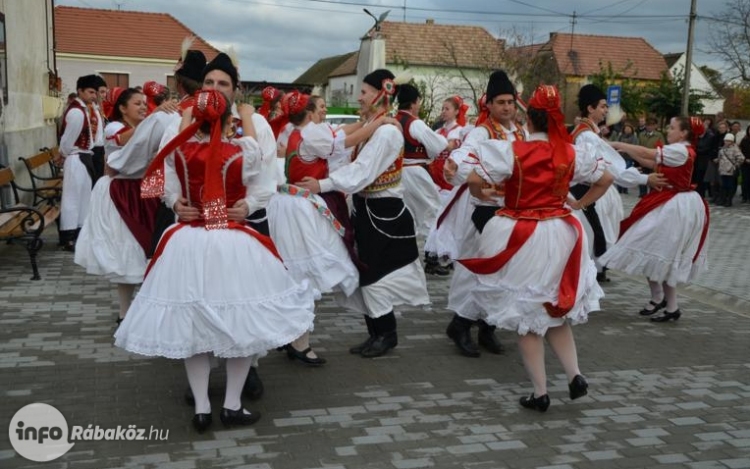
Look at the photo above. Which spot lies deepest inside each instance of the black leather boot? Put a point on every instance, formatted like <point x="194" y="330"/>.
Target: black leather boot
<point x="487" y="338"/>
<point x="357" y="349"/>
<point x="385" y="336"/>
<point x="460" y="331"/>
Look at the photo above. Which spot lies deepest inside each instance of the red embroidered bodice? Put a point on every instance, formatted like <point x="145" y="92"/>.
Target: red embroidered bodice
<point x="190" y="165"/>
<point x="679" y="177"/>
<point x="297" y="168"/>
<point x="529" y="192"/>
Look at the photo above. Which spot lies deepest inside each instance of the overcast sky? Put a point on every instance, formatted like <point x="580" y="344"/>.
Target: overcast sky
<point x="277" y="40"/>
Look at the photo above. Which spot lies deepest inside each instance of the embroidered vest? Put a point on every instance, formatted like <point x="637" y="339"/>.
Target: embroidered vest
<point x="390" y="178"/>
<point x="296" y="168"/>
<point x="586" y="125"/>
<point x="83" y="141"/>
<point x="679" y="177"/>
<point x="498" y="133"/>
<point x="190" y="161"/>
<point x="529" y="192"/>
<point x="413" y="149"/>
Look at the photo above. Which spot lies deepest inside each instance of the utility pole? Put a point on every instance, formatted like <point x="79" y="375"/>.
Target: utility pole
<point x="688" y="60"/>
<point x="404" y="11"/>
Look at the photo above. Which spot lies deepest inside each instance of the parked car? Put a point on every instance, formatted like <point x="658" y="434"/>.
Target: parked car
<point x="341" y="119"/>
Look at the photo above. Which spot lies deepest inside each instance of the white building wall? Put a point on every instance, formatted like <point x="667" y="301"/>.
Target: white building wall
<point x="30" y="58"/>
<point x="71" y="67"/>
<point x="699" y="82"/>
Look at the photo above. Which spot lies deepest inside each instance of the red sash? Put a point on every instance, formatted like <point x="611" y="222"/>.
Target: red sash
<point x="522" y="231"/>
<point x="461" y="189"/>
<point x="233" y="225"/>
<point x="656" y="199"/>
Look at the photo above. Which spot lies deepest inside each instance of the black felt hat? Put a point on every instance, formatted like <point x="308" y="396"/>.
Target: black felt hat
<point x="88" y="81"/>
<point x="499" y="84"/>
<point x="375" y="78"/>
<point x="589" y="95"/>
<point x="224" y="63"/>
<point x="192" y="65"/>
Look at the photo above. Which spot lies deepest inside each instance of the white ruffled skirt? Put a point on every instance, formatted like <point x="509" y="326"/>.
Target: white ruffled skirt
<point x="309" y="245"/>
<point x="421" y="197"/>
<point x="456" y="235"/>
<point x="513" y="298"/>
<point x="662" y="244"/>
<point x="217" y="291"/>
<point x="106" y="246"/>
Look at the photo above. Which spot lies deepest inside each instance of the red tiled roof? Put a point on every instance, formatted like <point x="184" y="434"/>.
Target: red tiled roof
<point x="348" y="67"/>
<point x="580" y="55"/>
<point x="147" y="35"/>
<point x="433" y="44"/>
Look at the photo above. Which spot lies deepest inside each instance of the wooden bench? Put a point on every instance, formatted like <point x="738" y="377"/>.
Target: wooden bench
<point x="44" y="188"/>
<point x="21" y="223"/>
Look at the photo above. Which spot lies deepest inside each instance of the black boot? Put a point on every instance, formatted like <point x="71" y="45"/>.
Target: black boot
<point x="460" y="331"/>
<point x="487" y="338"/>
<point x="68" y="240"/>
<point x="385" y="336"/>
<point x="357" y="349"/>
<point x="253" y="388"/>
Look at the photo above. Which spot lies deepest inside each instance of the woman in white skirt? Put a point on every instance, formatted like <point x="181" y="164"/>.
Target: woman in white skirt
<point x="108" y="244"/>
<point x="665" y="236"/>
<point x="535" y="276"/>
<point x="214" y="285"/>
<point x="313" y="232"/>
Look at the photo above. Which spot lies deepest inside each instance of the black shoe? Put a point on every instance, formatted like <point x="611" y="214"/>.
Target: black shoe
<point x="667" y="316"/>
<point x="488" y="340"/>
<point x="357" y="349"/>
<point x="540" y="403"/>
<point x="201" y="422"/>
<point x="657" y="307"/>
<point x="578" y="387"/>
<point x="69" y="246"/>
<point x="118" y="321"/>
<point x="238" y="417"/>
<point x="602" y="277"/>
<point x="460" y="331"/>
<point x="253" y="388"/>
<point x="302" y="356"/>
<point x="380" y="345"/>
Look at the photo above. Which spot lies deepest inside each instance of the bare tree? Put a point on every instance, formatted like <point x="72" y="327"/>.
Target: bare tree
<point x="730" y="39"/>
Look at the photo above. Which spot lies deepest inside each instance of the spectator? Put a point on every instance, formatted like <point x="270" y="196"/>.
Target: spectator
<point x="736" y="129"/>
<point x="641" y="126"/>
<point x="713" y="178"/>
<point x="745" y="167"/>
<point x="729" y="160"/>
<point x="705" y="153"/>
<point x="650" y="138"/>
<point x="627" y="136"/>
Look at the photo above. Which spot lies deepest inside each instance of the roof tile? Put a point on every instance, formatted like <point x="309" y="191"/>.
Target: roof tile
<point x="149" y="35"/>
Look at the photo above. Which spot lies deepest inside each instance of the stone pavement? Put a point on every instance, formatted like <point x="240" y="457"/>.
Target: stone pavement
<point x="662" y="395"/>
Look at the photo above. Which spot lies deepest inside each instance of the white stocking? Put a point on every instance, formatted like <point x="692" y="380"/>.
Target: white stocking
<point x="564" y="345"/>
<point x="237" y="370"/>
<point x="670" y="294"/>
<point x="125" y="293"/>
<point x="657" y="293"/>
<point x="532" y="352"/>
<point x="198" y="369"/>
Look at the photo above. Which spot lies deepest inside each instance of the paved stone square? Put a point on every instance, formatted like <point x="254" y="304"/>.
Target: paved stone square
<point x="662" y="395"/>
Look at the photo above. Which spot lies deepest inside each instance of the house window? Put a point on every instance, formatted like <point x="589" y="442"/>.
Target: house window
<point x="3" y="62"/>
<point x="351" y="90"/>
<point x="116" y="79"/>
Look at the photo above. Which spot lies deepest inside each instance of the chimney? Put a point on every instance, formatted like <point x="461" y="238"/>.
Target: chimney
<point x="430" y="21"/>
